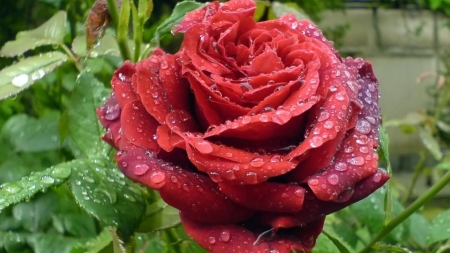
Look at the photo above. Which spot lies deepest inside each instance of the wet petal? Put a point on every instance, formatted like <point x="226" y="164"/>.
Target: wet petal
<point x="193" y="194"/>
<point x="121" y="84"/>
<point x="267" y="196"/>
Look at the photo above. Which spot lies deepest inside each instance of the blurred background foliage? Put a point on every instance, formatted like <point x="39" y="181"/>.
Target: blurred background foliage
<point x="34" y="135"/>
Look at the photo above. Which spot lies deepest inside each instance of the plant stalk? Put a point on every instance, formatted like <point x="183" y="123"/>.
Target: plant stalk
<point x="427" y="196"/>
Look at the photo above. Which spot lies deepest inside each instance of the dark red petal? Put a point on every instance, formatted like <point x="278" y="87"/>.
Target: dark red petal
<point x="236" y="239"/>
<point x="355" y="161"/>
<point x="138" y="126"/>
<point x="313" y="208"/>
<point x="167" y="139"/>
<point x="267" y="196"/>
<point x="369" y="118"/>
<point x="109" y="116"/>
<point x="121" y="84"/>
<point x="193" y="194"/>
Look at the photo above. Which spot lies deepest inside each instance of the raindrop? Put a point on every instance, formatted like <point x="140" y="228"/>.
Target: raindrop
<point x="279" y="88"/>
<point x="47" y="179"/>
<point x="141" y="169"/>
<point x="315" y="141"/>
<point x="229" y="154"/>
<point x="313" y="182"/>
<point x="348" y="149"/>
<point x="340" y="166"/>
<point x="363" y="126"/>
<point x="333" y="179"/>
<point x="268" y="109"/>
<point x="257" y="162"/>
<point x="129" y="197"/>
<point x="371" y="120"/>
<point x="89" y="179"/>
<point x="225" y="236"/>
<point x="246" y="119"/>
<point x="356" y="160"/>
<point x="204" y="147"/>
<point x="299" y="193"/>
<point x="275" y="159"/>
<point x="164" y="65"/>
<point x="61" y="172"/>
<point x="229" y="174"/>
<point x="246" y="85"/>
<point x="264" y="118"/>
<point x="333" y="88"/>
<point x="328" y="124"/>
<point x="212" y="240"/>
<point x="364" y="149"/>
<point x="324" y="115"/>
<point x="340" y="96"/>
<point x="252" y="177"/>
<point x="158" y="179"/>
<point x="11" y="188"/>
<point x="20" y="80"/>
<point x="377" y="177"/>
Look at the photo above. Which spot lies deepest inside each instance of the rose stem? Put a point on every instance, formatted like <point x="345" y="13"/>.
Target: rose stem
<point x="427" y="196"/>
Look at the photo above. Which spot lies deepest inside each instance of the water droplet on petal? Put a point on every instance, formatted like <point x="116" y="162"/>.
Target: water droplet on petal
<point x="356" y="160"/>
<point x="252" y="177"/>
<point x="377" y="177"/>
<point x="112" y="112"/>
<point x="257" y="162"/>
<point x="229" y="174"/>
<point x="204" y="147"/>
<point x="340" y="166"/>
<point x="225" y="236"/>
<point x="333" y="179"/>
<point x="363" y="126"/>
<point x="340" y="96"/>
<point x="158" y="179"/>
<point x="264" y="118"/>
<point x="246" y="119"/>
<point x="313" y="182"/>
<point x="299" y="193"/>
<point x="348" y="149"/>
<point x="141" y="169"/>
<point x="315" y="141"/>
<point x="328" y="124"/>
<point x="324" y="115"/>
<point x="212" y="240"/>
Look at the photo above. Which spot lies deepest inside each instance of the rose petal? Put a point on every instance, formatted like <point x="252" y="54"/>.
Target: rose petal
<point x="138" y="126"/>
<point x="267" y="196"/>
<point x="121" y="84"/>
<point x="355" y="161"/>
<point x="194" y="194"/>
<point x="234" y="238"/>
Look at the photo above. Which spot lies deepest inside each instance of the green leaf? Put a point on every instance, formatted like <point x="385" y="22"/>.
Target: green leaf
<point x="96" y="244"/>
<point x="384" y="148"/>
<point x="442" y="166"/>
<point x="13" y="242"/>
<point x="25" y="188"/>
<point x="36" y="215"/>
<point x="430" y="142"/>
<point x="103" y="191"/>
<point x="285" y="8"/>
<point x="338" y="243"/>
<point x="53" y="243"/>
<point x="75" y="224"/>
<point x="50" y="33"/>
<point x="177" y="15"/>
<point x="19" y="76"/>
<point x="324" y="244"/>
<point x="435" y="4"/>
<point x="84" y="127"/>
<point x="370" y="213"/>
<point x="145" y="9"/>
<point x="159" y="216"/>
<point x="439" y="229"/>
<point x="106" y="46"/>
<point x="380" y="247"/>
<point x="419" y="229"/>
<point x="260" y="10"/>
<point x="28" y="134"/>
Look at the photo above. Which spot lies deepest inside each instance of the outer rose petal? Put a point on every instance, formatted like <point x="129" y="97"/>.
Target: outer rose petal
<point x="121" y="84"/>
<point x="236" y="239"/>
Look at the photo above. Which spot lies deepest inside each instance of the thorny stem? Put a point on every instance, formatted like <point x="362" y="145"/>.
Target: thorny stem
<point x="72" y="56"/>
<point x="427" y="196"/>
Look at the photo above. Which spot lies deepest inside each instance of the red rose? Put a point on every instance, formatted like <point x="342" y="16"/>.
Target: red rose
<point x="249" y="128"/>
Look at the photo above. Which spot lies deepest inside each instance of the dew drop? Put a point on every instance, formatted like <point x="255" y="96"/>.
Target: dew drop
<point x="204" y="147"/>
<point x="313" y="182"/>
<point x="328" y="124"/>
<point x="229" y="174"/>
<point x="173" y="179"/>
<point x="112" y="112"/>
<point x="47" y="179"/>
<point x="299" y="193"/>
<point x="364" y="149"/>
<point x="158" y="179"/>
<point x="246" y="119"/>
<point x="61" y="172"/>
<point x="141" y="169"/>
<point x="315" y="141"/>
<point x="348" y="149"/>
<point x="377" y="177"/>
<point x="339" y="96"/>
<point x="356" y="160"/>
<point x="363" y="126"/>
<point x="225" y="236"/>
<point x="211" y="240"/>
<point x="264" y="118"/>
<point x="333" y="179"/>
<point x="20" y="80"/>
<point x="324" y="115"/>
<point x="252" y="177"/>
<point x="340" y="166"/>
<point x="11" y="188"/>
<point x="257" y="162"/>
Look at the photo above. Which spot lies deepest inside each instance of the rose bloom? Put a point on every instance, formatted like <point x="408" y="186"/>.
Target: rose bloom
<point x="255" y="131"/>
